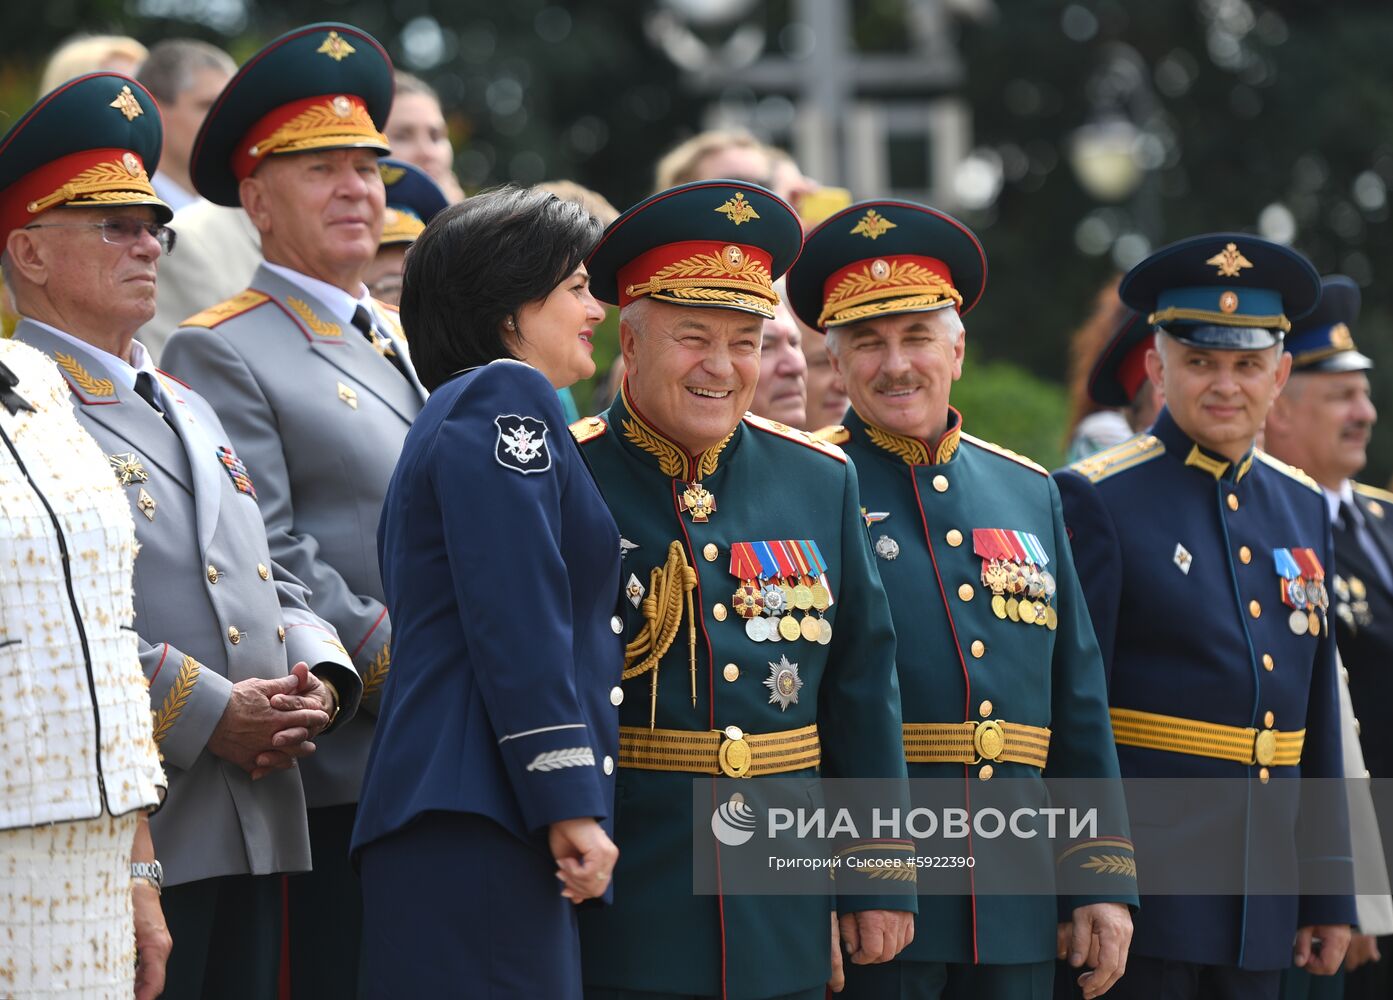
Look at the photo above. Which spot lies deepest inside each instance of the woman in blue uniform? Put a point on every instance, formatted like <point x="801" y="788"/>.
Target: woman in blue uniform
<point x="485" y="811"/>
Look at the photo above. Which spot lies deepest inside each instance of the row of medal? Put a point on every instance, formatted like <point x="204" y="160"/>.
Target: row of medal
<point x="1303" y="588"/>
<point x="1013" y="569"/>
<point x="1351" y="602"/>
<point x="777" y="580"/>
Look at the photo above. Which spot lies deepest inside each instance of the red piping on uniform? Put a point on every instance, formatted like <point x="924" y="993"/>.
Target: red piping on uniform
<point x="160" y="665"/>
<point x="967" y="682"/>
<point x="359" y="648"/>
<point x="699" y="607"/>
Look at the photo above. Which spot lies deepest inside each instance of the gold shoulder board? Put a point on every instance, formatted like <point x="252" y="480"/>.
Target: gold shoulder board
<point x="1288" y="470"/>
<point x="1119" y="458"/>
<point x="832" y="434"/>
<point x="1008" y="453"/>
<point x="1373" y="493"/>
<point x="794" y="434"/>
<point x="222" y="312"/>
<point x="588" y="429"/>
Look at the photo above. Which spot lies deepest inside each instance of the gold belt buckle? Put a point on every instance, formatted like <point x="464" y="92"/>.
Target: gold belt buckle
<point x="1265" y="747"/>
<point x="735" y="754"/>
<point x="988" y="739"/>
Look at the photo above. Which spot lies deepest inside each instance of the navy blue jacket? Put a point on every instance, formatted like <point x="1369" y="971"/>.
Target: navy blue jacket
<point x="1174" y="546"/>
<point x="500" y="563"/>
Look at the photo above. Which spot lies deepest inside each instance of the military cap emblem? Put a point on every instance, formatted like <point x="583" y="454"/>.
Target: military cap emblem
<point x="127" y="104"/>
<point x="522" y="444"/>
<point x="873" y="225"/>
<point x="128" y="468"/>
<point x="737" y="209"/>
<point x="1230" y="262"/>
<point x="1228" y="302"/>
<point x="342" y="106"/>
<point x="336" y="47"/>
<point x="1340" y="338"/>
<point x="783" y="683"/>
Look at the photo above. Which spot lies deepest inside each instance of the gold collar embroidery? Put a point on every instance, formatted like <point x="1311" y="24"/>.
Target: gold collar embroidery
<point x="673" y="460"/>
<point x="1217" y="467"/>
<point x="914" y="451"/>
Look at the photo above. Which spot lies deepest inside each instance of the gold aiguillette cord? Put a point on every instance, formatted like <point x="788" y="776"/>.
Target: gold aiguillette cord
<point x="668" y="585"/>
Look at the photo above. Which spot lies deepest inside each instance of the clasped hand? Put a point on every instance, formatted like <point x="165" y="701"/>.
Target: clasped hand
<point x="269" y="723"/>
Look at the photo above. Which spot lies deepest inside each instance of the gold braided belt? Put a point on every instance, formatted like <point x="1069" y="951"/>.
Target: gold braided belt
<point x="731" y="752"/>
<point x="1240" y="744"/>
<point x="974" y="742"/>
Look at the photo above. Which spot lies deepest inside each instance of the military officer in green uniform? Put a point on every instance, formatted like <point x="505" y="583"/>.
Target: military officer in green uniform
<point x="759" y="641"/>
<point x="1000" y="674"/>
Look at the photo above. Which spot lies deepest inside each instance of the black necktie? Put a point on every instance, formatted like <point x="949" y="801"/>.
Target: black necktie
<point x="145" y="389"/>
<point x="1353" y="520"/>
<point x="362" y="319"/>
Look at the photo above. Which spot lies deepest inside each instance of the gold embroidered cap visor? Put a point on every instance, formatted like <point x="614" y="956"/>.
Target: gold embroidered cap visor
<point x="323" y="86"/>
<point x="715" y="244"/>
<point x="1223" y="291"/>
<point x="412" y="200"/>
<point x="91" y="143"/>
<point x="884" y="258"/>
<point x="1323" y="342"/>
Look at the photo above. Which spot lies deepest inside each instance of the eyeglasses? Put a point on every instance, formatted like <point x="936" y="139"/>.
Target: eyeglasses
<point x="121" y="232"/>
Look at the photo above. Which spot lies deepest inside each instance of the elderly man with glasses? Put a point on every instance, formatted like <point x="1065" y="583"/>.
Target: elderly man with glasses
<point x="243" y="676"/>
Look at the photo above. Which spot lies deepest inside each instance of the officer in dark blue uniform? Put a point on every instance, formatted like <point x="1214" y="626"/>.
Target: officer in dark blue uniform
<point x="993" y="636"/>
<point x="1321" y="423"/>
<point x="1204" y="564"/>
<point x="498" y="734"/>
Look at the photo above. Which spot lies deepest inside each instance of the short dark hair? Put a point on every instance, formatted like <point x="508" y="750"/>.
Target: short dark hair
<point x="169" y="68"/>
<point x="477" y="264"/>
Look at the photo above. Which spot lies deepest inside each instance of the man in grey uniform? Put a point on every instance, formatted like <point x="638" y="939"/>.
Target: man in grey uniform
<point x="219" y="622"/>
<point x="312" y="379"/>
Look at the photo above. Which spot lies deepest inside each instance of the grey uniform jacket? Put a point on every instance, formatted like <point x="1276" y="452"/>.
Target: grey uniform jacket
<point x="321" y="415"/>
<point x="211" y="608"/>
<point x="218" y="251"/>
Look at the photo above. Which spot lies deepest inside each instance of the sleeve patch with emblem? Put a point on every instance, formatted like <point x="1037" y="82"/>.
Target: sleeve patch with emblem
<point x="522" y="444"/>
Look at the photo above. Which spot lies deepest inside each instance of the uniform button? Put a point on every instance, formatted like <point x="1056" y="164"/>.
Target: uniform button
<point x="280" y="631"/>
<point x="718" y="612"/>
<point x="616" y="696"/>
<point x="965" y="592"/>
<point x="941" y="484"/>
<point x="233" y="635"/>
<point x="955" y="537"/>
<point x="1255" y="609"/>
<point x="731" y="672"/>
<point x="1232" y="501"/>
<point x="985" y="709"/>
<point x="1267" y="663"/>
<point x="1268" y="719"/>
<point x="710" y="552"/>
<point x="616" y="625"/>
<point x="1245" y="555"/>
<point x="986" y="773"/>
<point x="262" y="571"/>
<point x="212" y="573"/>
<point x="609" y="764"/>
<point x="1264" y="774"/>
<point x="978" y="648"/>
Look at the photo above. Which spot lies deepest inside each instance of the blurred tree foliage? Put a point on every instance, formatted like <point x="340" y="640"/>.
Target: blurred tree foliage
<point x="1279" y="106"/>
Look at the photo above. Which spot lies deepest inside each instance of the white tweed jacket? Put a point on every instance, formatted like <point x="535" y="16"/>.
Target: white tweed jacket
<point x="75" y="727"/>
